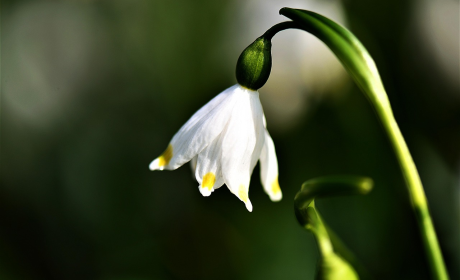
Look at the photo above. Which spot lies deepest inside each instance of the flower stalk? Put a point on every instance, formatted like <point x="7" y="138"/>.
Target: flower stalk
<point x="363" y="70"/>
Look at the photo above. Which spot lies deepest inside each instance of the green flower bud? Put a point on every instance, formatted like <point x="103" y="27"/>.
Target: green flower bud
<point x="254" y="64"/>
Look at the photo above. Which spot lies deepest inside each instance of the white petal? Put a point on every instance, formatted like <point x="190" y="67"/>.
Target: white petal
<point x="242" y="143"/>
<point x="208" y="169"/>
<point x="193" y="163"/>
<point x="198" y="132"/>
<point x="269" y="169"/>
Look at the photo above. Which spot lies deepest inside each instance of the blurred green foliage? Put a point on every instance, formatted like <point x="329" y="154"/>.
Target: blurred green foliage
<point x="92" y="91"/>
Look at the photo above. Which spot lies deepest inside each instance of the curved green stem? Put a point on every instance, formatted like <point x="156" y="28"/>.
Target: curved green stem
<point x="279" y="27"/>
<point x="416" y="192"/>
<point x="363" y="70"/>
<point x="337" y="261"/>
<point x="319" y="230"/>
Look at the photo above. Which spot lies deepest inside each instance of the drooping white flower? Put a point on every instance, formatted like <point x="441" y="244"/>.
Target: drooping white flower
<point x="224" y="140"/>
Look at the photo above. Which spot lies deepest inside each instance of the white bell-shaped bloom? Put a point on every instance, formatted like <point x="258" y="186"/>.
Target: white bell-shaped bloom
<point x="224" y="140"/>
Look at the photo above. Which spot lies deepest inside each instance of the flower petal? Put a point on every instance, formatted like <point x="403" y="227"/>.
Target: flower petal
<point x="198" y="132"/>
<point x="193" y="163"/>
<point x="269" y="169"/>
<point x="242" y="141"/>
<point x="208" y="169"/>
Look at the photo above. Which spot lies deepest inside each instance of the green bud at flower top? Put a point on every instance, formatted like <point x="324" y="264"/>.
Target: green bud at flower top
<point x="254" y="64"/>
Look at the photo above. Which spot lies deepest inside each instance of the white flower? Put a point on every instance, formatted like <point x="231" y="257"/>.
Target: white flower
<point x="224" y="140"/>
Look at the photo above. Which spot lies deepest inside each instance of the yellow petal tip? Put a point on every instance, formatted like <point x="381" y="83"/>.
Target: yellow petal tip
<point x="164" y="159"/>
<point x="276" y="186"/>
<point x="275" y="194"/>
<point x="209" y="179"/>
<point x="243" y="193"/>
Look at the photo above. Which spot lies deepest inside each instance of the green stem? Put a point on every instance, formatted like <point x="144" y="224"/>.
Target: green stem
<point x="317" y="227"/>
<point x="415" y="188"/>
<point x="362" y="69"/>
<point x="279" y="27"/>
<point x="337" y="262"/>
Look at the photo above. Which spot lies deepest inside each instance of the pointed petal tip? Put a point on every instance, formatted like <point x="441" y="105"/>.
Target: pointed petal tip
<point x="274" y="192"/>
<point x="248" y="205"/>
<point x="276" y="197"/>
<point x="154" y="165"/>
<point x="205" y="191"/>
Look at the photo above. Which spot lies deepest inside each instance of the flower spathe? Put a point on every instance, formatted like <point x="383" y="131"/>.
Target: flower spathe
<point x="224" y="140"/>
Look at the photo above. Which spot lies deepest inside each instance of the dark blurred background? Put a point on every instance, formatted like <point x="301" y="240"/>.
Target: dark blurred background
<point x="92" y="91"/>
